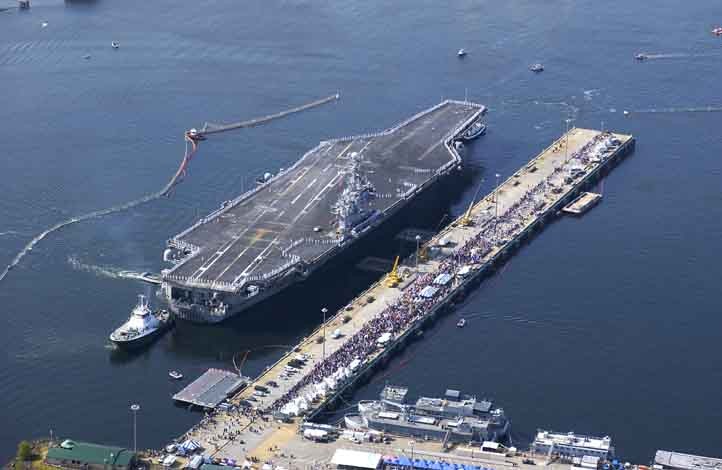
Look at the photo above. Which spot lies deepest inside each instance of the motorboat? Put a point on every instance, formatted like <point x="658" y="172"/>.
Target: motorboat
<point x="461" y="323"/>
<point x="717" y="31"/>
<point x="536" y="68"/>
<point x="640" y="57"/>
<point x="175" y="375"/>
<point x="115" y="44"/>
<point x="461" y="53"/>
<point x="143" y="325"/>
<point x="195" y="135"/>
<point x="475" y="130"/>
<point x="458" y="145"/>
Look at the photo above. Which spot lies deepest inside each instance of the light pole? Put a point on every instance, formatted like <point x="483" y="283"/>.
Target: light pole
<point x="411" y="443"/>
<point x="566" y="145"/>
<point x="496" y="205"/>
<point x="418" y="240"/>
<point x="134" y="408"/>
<point x="324" y="310"/>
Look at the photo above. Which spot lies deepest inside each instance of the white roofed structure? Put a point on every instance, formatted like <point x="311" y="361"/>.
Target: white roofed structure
<point x="679" y="461"/>
<point x="354" y="459"/>
<point x="572" y="445"/>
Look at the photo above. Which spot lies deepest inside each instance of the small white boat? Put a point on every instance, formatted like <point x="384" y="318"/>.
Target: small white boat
<point x="641" y="56"/>
<point x="461" y="323"/>
<point x="115" y="44"/>
<point x="44" y="24"/>
<point x="86" y="56"/>
<point x="175" y="375"/>
<point x="536" y="68"/>
<point x="461" y="53"/>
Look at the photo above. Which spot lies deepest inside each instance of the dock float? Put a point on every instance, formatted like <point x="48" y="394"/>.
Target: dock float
<point x="315" y="374"/>
<point x="211" y="388"/>
<point x="583" y="203"/>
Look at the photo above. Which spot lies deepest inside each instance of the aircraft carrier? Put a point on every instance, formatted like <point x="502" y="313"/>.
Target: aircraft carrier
<point x="290" y="224"/>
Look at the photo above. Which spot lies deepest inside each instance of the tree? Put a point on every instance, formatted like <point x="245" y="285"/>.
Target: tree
<point x="24" y="451"/>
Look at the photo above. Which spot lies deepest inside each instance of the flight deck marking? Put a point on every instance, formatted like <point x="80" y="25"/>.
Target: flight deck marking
<point x="316" y="198"/>
<point x="252" y="265"/>
<point x="295" y="199"/>
<point x="230" y="244"/>
<point x="304" y="171"/>
<point x="430" y="149"/>
<point x="300" y="176"/>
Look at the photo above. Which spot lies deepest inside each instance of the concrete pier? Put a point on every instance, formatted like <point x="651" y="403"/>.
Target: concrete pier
<point x="468" y="249"/>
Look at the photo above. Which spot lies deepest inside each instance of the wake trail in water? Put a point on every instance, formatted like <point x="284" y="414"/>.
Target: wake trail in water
<point x="102" y="271"/>
<point x="9" y="233"/>
<point x="679" y="55"/>
<point x="191" y="147"/>
<point x="699" y="109"/>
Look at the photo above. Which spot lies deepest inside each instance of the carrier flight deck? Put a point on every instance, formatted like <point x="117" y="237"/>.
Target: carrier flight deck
<point x="292" y="223"/>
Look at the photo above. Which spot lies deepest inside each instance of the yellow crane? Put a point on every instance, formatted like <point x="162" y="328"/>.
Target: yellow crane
<point x="466" y="219"/>
<point x="393" y="279"/>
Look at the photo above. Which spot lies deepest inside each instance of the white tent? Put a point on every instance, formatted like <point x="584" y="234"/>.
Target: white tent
<point x="384" y="338"/>
<point x="355" y="458"/>
<point x="428" y="292"/>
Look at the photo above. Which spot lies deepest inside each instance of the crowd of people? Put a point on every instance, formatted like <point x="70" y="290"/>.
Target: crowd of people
<point x="493" y="232"/>
<point x="490" y="233"/>
<point x="219" y="426"/>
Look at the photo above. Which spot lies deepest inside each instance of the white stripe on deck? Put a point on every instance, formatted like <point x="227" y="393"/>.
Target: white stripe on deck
<point x="295" y="199"/>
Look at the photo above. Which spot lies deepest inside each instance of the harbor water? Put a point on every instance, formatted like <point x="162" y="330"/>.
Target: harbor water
<point x="605" y="324"/>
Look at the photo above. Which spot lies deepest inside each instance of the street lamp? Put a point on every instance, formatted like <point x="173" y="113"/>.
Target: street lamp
<point x="418" y="240"/>
<point x="324" y="310"/>
<point x="411" y="443"/>
<point x="496" y="204"/>
<point x="134" y="408"/>
<point x="566" y="145"/>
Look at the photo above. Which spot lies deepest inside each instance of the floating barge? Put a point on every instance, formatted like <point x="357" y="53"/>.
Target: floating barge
<point x="583" y="203"/>
<point x="211" y="388"/>
<point x="281" y="232"/>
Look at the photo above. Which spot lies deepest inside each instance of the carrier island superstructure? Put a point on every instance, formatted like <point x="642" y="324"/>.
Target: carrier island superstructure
<point x="292" y="223"/>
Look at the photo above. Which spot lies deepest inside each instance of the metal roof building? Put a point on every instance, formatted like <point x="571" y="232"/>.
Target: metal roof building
<point x="76" y="454"/>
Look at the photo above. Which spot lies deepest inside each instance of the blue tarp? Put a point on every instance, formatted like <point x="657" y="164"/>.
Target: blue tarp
<point x="422" y="464"/>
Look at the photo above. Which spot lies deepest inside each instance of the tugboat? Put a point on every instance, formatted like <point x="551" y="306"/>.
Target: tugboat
<point x="536" y="68"/>
<point x="142" y="326"/>
<point x="477" y="129"/>
<point x="641" y="57"/>
<point x="461" y="53"/>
